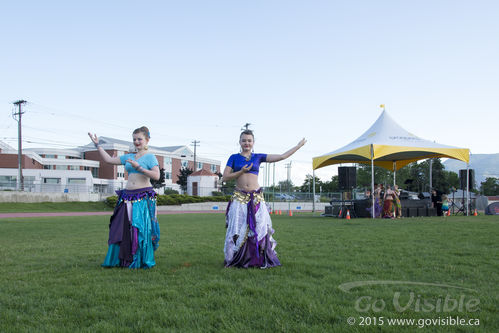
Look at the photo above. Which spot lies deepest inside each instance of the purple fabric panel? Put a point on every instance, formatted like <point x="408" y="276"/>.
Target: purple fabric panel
<point x="126" y="242"/>
<point x="227" y="214"/>
<point x="116" y="224"/>
<point x="125" y="263"/>
<point x="245" y="257"/>
<point x="135" y="240"/>
<point x="251" y="220"/>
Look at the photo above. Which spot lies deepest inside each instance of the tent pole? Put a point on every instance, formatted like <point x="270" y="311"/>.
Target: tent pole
<point x="394" y="172"/>
<point x="467" y="189"/>
<point x="372" y="180"/>
<point x="313" y="190"/>
<point x="431" y="176"/>
<point x="273" y="187"/>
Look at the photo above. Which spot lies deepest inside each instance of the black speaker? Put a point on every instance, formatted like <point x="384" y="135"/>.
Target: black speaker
<point x="462" y="179"/>
<point x="347" y="178"/>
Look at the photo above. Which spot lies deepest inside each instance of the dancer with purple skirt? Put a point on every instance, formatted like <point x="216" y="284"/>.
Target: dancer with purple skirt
<point x="134" y="229"/>
<point x="249" y="241"/>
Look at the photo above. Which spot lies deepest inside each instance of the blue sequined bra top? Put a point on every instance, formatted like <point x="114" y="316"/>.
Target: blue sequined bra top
<point x="237" y="161"/>
<point x="147" y="161"/>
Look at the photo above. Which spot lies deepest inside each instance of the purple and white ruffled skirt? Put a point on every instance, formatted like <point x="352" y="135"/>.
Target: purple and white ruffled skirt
<point x="249" y="241"/>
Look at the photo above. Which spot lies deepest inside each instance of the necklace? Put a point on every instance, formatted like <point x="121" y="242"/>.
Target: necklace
<point x="247" y="158"/>
<point x="137" y="156"/>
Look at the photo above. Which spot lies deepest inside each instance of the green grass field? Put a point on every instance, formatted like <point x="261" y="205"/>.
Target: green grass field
<point x="19" y="207"/>
<point x="51" y="279"/>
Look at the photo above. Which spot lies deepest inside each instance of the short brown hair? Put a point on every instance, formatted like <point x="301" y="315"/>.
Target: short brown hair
<point x="144" y="130"/>
<point x="247" y="132"/>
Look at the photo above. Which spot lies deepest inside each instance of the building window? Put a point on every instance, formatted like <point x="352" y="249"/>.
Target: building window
<point x="95" y="172"/>
<point x="73" y="181"/>
<point x="50" y="156"/>
<point x="167" y="164"/>
<point x="48" y="167"/>
<point x="29" y="180"/>
<point x="74" y="167"/>
<point x="51" y="180"/>
<point x="8" y="180"/>
<point x="61" y="167"/>
<point x="213" y="168"/>
<point x="185" y="163"/>
<point x="168" y="175"/>
<point x="200" y="166"/>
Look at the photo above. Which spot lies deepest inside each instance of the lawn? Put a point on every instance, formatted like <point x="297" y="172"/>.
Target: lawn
<point x="417" y="268"/>
<point x="40" y="207"/>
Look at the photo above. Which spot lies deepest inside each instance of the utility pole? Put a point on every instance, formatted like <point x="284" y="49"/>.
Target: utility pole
<point x="20" y="182"/>
<point x="195" y="143"/>
<point x="245" y="127"/>
<point x="288" y="166"/>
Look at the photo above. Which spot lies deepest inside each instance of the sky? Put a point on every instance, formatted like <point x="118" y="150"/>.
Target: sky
<point x="201" y="69"/>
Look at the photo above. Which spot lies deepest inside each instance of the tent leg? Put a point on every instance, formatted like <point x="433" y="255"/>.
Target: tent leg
<point x="313" y="190"/>
<point x="372" y="187"/>
<point x="467" y="189"/>
<point x="394" y="173"/>
<point x="431" y="174"/>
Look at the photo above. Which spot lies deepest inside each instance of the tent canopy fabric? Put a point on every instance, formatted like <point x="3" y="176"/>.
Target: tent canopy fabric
<point x="390" y="147"/>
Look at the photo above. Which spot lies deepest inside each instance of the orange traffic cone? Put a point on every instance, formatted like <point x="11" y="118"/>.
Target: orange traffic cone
<point x="339" y="214"/>
<point x="280" y="212"/>
<point x="475" y="213"/>
<point x="290" y="213"/>
<point x="448" y="212"/>
<point x="348" y="214"/>
<point x="270" y="212"/>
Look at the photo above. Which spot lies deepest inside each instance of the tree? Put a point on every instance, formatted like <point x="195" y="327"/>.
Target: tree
<point x="182" y="178"/>
<point x="307" y="186"/>
<point x="331" y="186"/>
<point x="490" y="186"/>
<point x="161" y="181"/>
<point x="285" y="186"/>
<point x="452" y="179"/>
<point x="381" y="176"/>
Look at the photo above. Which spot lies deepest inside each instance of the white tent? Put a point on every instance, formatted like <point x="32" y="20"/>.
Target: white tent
<point x="388" y="145"/>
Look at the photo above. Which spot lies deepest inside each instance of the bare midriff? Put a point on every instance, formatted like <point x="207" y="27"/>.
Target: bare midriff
<point x="137" y="180"/>
<point x="247" y="182"/>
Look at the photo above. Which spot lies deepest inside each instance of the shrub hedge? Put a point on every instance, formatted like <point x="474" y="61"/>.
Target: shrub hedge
<point x="176" y="199"/>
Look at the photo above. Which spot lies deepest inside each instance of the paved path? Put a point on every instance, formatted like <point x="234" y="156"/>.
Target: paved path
<point x="13" y="215"/>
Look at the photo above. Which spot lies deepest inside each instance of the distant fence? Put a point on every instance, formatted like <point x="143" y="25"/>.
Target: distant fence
<point x="59" y="188"/>
<point x="104" y="190"/>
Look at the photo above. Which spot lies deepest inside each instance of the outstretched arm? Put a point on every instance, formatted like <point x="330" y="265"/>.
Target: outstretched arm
<point x="276" y="158"/>
<point x="229" y="175"/>
<point x="105" y="156"/>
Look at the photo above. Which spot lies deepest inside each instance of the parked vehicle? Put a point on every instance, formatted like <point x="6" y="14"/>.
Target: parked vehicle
<point x="284" y="197"/>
